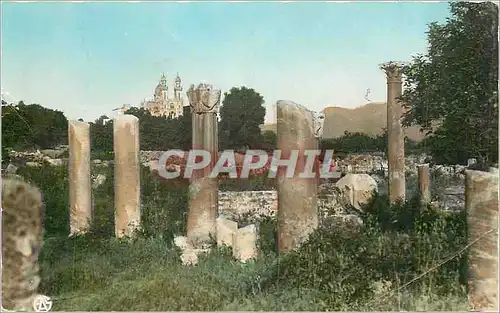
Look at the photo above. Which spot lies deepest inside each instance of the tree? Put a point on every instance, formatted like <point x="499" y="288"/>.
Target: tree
<point x="268" y="140"/>
<point x="242" y="112"/>
<point x="157" y="133"/>
<point x="451" y="91"/>
<point x="32" y="126"/>
<point x="185" y="129"/>
<point x="101" y="138"/>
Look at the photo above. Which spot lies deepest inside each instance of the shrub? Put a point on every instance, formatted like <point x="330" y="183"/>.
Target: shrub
<point x="395" y="245"/>
<point x="53" y="184"/>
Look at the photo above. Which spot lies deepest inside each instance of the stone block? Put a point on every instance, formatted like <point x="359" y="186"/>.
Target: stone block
<point x="245" y="243"/>
<point x="225" y="230"/>
<point x="357" y="188"/>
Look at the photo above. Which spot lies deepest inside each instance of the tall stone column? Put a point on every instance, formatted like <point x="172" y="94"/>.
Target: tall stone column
<point x="127" y="175"/>
<point x="318" y="126"/>
<point x="395" y="134"/>
<point x="481" y="202"/>
<point x="80" y="185"/>
<point x="22" y="239"/>
<point x="203" y="191"/>
<point x="297" y="196"/>
<point x="424" y="183"/>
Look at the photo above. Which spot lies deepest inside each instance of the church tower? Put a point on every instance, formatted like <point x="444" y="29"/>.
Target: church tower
<point x="177" y="88"/>
<point x="162" y="104"/>
<point x="161" y="91"/>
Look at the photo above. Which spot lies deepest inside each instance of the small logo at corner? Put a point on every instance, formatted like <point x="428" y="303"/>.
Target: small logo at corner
<point x="42" y="304"/>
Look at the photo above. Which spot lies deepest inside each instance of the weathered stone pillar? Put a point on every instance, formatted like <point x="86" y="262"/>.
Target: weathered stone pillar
<point x="481" y="201"/>
<point x="297" y="196"/>
<point x="80" y="184"/>
<point x="127" y="175"/>
<point x="203" y="191"/>
<point x="395" y="134"/>
<point x="424" y="184"/>
<point x="318" y="126"/>
<point x="22" y="238"/>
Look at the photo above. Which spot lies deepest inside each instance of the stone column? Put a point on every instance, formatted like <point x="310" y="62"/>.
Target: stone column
<point x="22" y="238"/>
<point x="424" y="183"/>
<point x="297" y="197"/>
<point x="481" y="201"/>
<point x="203" y="191"/>
<point x="395" y="134"/>
<point x="127" y="175"/>
<point x="318" y="126"/>
<point x="80" y="185"/>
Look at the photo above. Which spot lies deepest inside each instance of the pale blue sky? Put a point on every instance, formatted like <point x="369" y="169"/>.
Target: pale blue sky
<point x="87" y="58"/>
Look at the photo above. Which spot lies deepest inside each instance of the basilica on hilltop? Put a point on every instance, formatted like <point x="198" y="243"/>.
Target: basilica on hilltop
<point x="162" y="104"/>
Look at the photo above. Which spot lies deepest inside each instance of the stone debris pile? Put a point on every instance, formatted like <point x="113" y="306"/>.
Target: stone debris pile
<point x="243" y="242"/>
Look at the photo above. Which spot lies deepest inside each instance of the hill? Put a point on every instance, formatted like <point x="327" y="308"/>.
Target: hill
<point x="369" y="119"/>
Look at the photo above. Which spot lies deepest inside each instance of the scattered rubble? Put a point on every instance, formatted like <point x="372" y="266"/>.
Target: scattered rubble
<point x="243" y="241"/>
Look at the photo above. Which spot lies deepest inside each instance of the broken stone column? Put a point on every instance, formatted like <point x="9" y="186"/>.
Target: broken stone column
<point x="424" y="183"/>
<point x="22" y="238"/>
<point x="203" y="191"/>
<point x="481" y="201"/>
<point x="245" y="243"/>
<point x="297" y="196"/>
<point x="80" y="184"/>
<point x="395" y="134"/>
<point x="127" y="175"/>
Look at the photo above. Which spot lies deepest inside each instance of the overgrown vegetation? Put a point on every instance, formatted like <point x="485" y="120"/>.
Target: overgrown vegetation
<point x="363" y="143"/>
<point x="340" y="268"/>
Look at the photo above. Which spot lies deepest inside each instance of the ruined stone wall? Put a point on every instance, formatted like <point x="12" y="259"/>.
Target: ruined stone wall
<point x="237" y="204"/>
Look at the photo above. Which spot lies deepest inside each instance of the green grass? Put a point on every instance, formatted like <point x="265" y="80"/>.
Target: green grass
<point x="338" y="269"/>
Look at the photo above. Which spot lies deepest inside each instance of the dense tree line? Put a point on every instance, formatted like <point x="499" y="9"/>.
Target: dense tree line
<point x="30" y="127"/>
<point x="35" y="127"/>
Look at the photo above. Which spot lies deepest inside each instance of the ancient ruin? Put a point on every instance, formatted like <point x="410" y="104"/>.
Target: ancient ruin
<point x="22" y="238"/>
<point x="481" y="199"/>
<point x="424" y="183"/>
<point x="395" y="135"/>
<point x="297" y="196"/>
<point x="80" y="196"/>
<point x="127" y="175"/>
<point x="203" y="190"/>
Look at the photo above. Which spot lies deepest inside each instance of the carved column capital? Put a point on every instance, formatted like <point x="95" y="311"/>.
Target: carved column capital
<point x="318" y="122"/>
<point x="204" y="98"/>
<point x="393" y="70"/>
